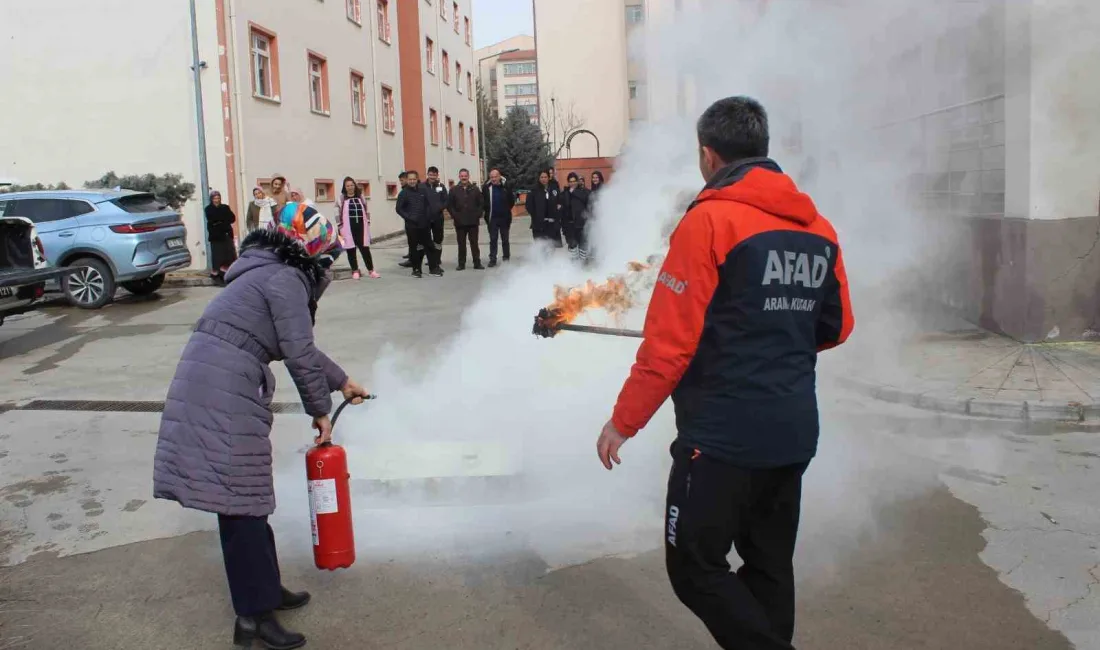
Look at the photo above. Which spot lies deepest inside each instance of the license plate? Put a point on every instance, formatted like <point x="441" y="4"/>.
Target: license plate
<point x="6" y="292"/>
<point x="175" y="242"/>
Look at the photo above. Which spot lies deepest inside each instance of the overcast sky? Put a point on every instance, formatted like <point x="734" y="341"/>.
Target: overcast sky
<point x="496" y="20"/>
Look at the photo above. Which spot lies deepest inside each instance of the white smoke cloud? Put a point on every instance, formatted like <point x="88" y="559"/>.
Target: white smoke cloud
<point x="532" y="409"/>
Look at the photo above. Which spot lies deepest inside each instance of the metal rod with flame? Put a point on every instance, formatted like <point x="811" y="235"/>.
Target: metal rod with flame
<point x="616" y="296"/>
<point x="545" y="327"/>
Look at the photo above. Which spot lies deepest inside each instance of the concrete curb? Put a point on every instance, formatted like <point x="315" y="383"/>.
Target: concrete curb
<point x="1021" y="411"/>
<point x="190" y="279"/>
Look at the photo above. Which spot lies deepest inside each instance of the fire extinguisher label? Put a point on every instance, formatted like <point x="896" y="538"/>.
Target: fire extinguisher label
<point x="322" y="497"/>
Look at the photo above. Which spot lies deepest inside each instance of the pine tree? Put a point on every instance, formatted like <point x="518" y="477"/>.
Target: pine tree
<point x="519" y="151"/>
<point x="489" y="123"/>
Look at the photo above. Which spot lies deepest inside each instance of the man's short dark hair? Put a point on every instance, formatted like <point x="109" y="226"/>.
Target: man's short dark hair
<point x="402" y="175"/>
<point x="433" y="170"/>
<point x="464" y="170"/>
<point x="413" y="172"/>
<point x="495" y="169"/>
<point x="736" y="128"/>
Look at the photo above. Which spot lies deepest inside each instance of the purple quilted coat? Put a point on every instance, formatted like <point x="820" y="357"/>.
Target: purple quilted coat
<point x="214" y="449"/>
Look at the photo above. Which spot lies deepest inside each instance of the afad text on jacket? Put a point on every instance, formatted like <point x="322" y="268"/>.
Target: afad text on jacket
<point x="753" y="287"/>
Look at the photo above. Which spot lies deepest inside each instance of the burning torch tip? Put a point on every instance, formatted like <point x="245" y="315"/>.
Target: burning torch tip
<point x="543" y="326"/>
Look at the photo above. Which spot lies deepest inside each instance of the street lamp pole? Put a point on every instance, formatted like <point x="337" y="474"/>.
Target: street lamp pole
<point x="480" y="117"/>
<point x="197" y="65"/>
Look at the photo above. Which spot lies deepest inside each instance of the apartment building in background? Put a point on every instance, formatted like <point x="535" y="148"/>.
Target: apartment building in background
<point x="315" y="90"/>
<point x="589" y="68"/>
<point x="492" y="76"/>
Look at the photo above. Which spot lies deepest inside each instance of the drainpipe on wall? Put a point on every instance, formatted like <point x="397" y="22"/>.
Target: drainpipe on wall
<point x="442" y="108"/>
<point x="197" y="66"/>
<point x="238" y="131"/>
<point x="376" y="93"/>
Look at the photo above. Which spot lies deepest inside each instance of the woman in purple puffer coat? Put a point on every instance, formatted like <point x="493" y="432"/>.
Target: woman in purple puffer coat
<point x="214" y="450"/>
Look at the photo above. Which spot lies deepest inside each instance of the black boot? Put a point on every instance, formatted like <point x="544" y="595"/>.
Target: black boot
<point x="478" y="266"/>
<point x="266" y="629"/>
<point x="292" y="600"/>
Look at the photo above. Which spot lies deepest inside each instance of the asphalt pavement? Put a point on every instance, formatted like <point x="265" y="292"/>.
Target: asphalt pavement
<point x="921" y="530"/>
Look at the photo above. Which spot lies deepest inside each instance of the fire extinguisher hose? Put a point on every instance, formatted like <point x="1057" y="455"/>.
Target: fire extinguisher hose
<point x="340" y="409"/>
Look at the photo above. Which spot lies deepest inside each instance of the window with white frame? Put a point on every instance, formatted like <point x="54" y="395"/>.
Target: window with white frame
<point x="518" y="69"/>
<point x="263" y="64"/>
<point x="318" y="84"/>
<point x="384" y="20"/>
<point x="429" y="53"/>
<point x="454" y="16"/>
<point x="461" y="137"/>
<point x="450" y="132"/>
<point x="355" y="11"/>
<point x="446" y="67"/>
<point x="469" y="31"/>
<point x="458" y="77"/>
<point x="358" y="100"/>
<point x="520" y="90"/>
<point x="389" y="112"/>
<point x="433" y="123"/>
<point x="633" y="86"/>
<point x="635" y="14"/>
<point x="470" y="85"/>
<point x="443" y="9"/>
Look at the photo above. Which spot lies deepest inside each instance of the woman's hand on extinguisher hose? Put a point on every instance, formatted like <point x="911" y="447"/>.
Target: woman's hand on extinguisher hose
<point x="354" y="392"/>
<point x="324" y="429"/>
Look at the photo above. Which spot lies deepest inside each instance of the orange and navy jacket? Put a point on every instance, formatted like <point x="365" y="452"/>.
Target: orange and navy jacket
<point x="753" y="287"/>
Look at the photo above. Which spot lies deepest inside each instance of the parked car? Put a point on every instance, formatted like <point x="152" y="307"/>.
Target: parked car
<point x="24" y="270"/>
<point x="116" y="237"/>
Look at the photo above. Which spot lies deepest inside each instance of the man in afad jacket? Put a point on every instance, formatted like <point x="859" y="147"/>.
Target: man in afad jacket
<point x="464" y="204"/>
<point x="752" y="289"/>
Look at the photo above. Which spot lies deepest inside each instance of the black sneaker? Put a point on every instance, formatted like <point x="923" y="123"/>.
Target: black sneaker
<point x="418" y="274"/>
<point x="406" y="264"/>
<point x="460" y="267"/>
<point x="436" y="272"/>
<point x="478" y="266"/>
<point x="492" y="263"/>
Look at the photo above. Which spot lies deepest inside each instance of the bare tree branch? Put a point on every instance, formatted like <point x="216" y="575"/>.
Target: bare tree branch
<point x="558" y="119"/>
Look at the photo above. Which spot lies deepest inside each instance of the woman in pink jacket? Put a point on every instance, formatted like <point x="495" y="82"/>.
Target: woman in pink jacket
<point x="354" y="217"/>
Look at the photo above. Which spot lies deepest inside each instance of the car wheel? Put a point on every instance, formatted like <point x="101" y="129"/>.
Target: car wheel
<point x="92" y="287"/>
<point x="144" y="287"/>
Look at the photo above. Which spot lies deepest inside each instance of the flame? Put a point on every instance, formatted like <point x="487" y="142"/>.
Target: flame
<point x="615" y="296"/>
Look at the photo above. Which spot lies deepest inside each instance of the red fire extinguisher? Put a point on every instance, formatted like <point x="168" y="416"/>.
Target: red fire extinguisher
<point x="330" y="503"/>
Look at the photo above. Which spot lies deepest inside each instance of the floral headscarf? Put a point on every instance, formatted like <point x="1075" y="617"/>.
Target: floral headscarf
<point x="309" y="227"/>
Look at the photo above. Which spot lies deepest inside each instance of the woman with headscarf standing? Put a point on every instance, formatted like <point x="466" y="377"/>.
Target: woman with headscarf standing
<point x="260" y="214"/>
<point x="214" y="448"/>
<point x="351" y="209"/>
<point x="219" y="231"/>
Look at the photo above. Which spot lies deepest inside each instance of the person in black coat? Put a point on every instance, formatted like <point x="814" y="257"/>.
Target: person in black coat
<point x="497" y="203"/>
<point x="439" y="204"/>
<point x="542" y="205"/>
<point x="574" y="207"/>
<point x="554" y="184"/>
<point x="415" y="205"/>
<point x="219" y="231"/>
<point x="464" y="204"/>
